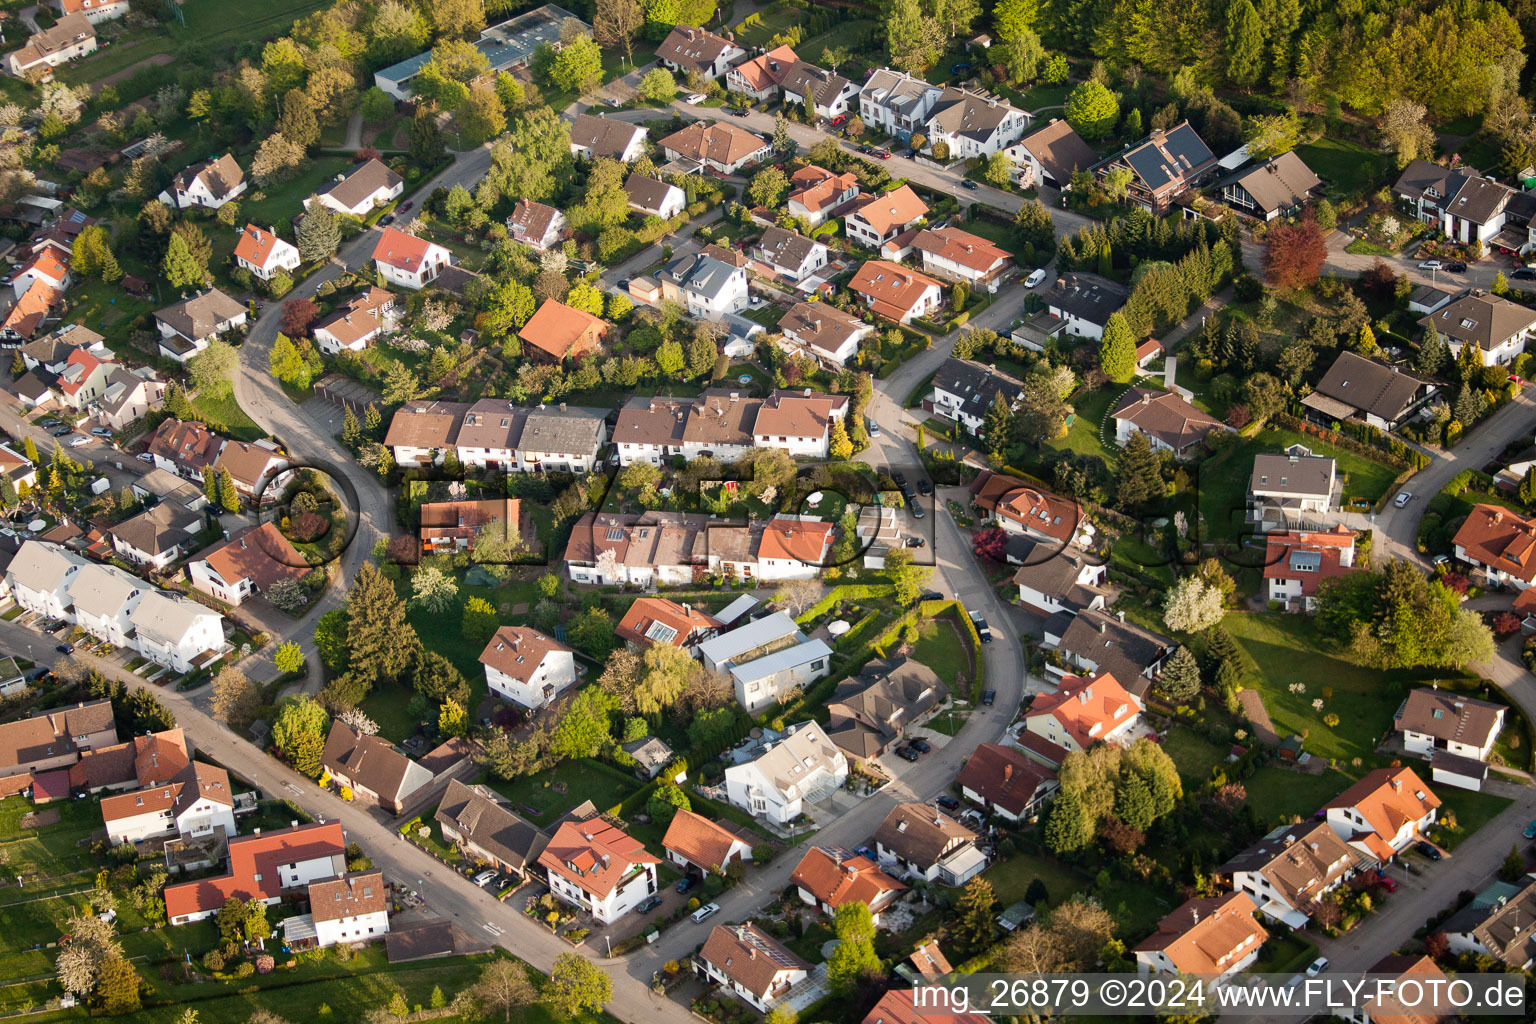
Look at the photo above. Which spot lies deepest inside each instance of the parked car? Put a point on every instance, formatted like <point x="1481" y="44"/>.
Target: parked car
<point x="982" y="629"/>
<point x="1530" y="830"/>
<point x="968" y="185"/>
<point x="705" y="912"/>
<point x="685" y="884"/>
<point x="739" y="112"/>
<point x="1402" y="499"/>
<point x="1429" y="850"/>
<point x="864" y="851"/>
<point x="916" y="508"/>
<point x="1524" y="274"/>
<point x="61" y="431"/>
<point x="907" y="754"/>
<point x="145" y="457"/>
<point x="921" y="746"/>
<point x="695" y="97"/>
<point x="948" y="802"/>
<point x="924" y="487"/>
<point x="839" y="120"/>
<point x="1456" y="267"/>
<point x="883" y="154"/>
<point x="648" y="905"/>
<point x="65" y="648"/>
<point x="624" y="284"/>
<point x="386" y="220"/>
<point x="406" y="205"/>
<point x="872" y="428"/>
<point x="931" y="595"/>
<point x="1431" y="265"/>
<point x="1389" y="884"/>
<point x="988" y="698"/>
<point x="900" y="478"/>
<point x="101" y="431"/>
<point x="1034" y="279"/>
<point x="915" y="542"/>
<point x="1317" y="967"/>
<point x="484" y="878"/>
<point x="79" y="440"/>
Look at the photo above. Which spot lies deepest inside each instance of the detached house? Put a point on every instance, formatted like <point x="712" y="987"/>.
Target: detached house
<point x="1388" y="1007"/>
<point x="47" y="266"/>
<point x="926" y="843"/>
<point x="803" y="766"/>
<point x="652" y="197"/>
<point x="1212" y="936"/>
<point x="1097" y="642"/>
<point x="695" y="49"/>
<point x="484" y="828"/>
<point x="957" y="255"/>
<point x="185" y="448"/>
<point x="253" y="560"/>
<point x="1053" y="579"/>
<point x="1497" y="327"/>
<point x="1291" y="488"/>
<point x="963" y="391"/>
<point x="1277" y="187"/>
<point x="594" y="137"/>
<point x="349" y="908"/>
<point x="264" y="867"/>
<point x="1357" y="388"/>
<point x="1296" y="563"/>
<point x="1290" y="869"/>
<point x="825" y="93"/>
<point x="878" y="219"/>
<point x="824" y="332"/>
<point x="252" y="465"/>
<point x="373" y="769"/>
<point x="264" y="254"/>
<point x="71" y="37"/>
<point x="525" y="666"/>
<point x="557" y="332"/>
<point x="974" y="124"/>
<point x="407" y="261"/>
<point x="95" y="11"/>
<point x="189" y="326"/>
<point x="1163" y="167"/>
<point x="1021" y="508"/>
<point x="1050" y="155"/>
<point x="896" y="103"/>
<point x="1383" y="813"/>
<point x="693" y="842"/>
<point x="1083" y="711"/>
<point x="536" y="225"/>
<point x="829" y="879"/>
<point x="655" y="620"/>
<point x="1085" y="302"/>
<point x="1500" y="543"/>
<point x="370" y="185"/>
<point x="1434" y="720"/>
<point x="1004" y="782"/>
<point x="598" y="868"/>
<point x="896" y="292"/>
<point x="449" y="526"/>
<point x="790" y="254"/>
<point x="709" y="288"/>
<point x="358" y="322"/>
<point x="873" y="710"/>
<point x="209" y="184"/>
<point x="818" y="195"/>
<point x="762" y="77"/>
<point x="1500" y="927"/>
<point x="178" y="798"/>
<point x="750" y="964"/>
<point x="714" y="144"/>
<point x="1463" y="204"/>
<point x="1170" y="422"/>
<point x="158" y="537"/>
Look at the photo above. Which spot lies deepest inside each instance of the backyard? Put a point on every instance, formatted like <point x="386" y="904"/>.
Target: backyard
<point x="1083" y="436"/>
<point x="1345" y="166"/>
<point x="546" y="796"/>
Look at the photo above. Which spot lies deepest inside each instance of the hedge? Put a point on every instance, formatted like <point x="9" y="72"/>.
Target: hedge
<point x="846" y="592"/>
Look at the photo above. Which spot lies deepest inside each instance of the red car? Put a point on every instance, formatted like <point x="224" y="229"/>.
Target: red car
<point x="837" y="122"/>
<point x="1389" y="884"/>
<point x="883" y="154"/>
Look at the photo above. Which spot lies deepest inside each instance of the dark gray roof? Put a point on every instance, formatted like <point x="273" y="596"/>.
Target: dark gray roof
<point x="1369" y="386"/>
<point x="1123" y="650"/>
<point x="970" y="114"/>
<point x="1051" y="571"/>
<point x="1088" y="297"/>
<point x="976" y="385"/>
<point x="1424" y="180"/>
<point x="157" y="530"/>
<point x="1478" y="199"/>
<point x="200" y="315"/>
<point x="1295" y="472"/>
<point x="781" y="248"/>
<point x="485" y="822"/>
<point x="1171" y="159"/>
<point x="878" y="705"/>
<point x="698" y="273"/>
<point x="1279" y="183"/>
<point x="1485" y="320"/>
<point x="805" y="79"/>
<point x="561" y="432"/>
<point x="647" y="193"/>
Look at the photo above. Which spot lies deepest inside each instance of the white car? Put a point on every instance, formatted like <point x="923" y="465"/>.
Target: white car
<point x="1033" y="280"/>
<point x="483" y="877"/>
<point x="695" y="98"/>
<point x="1317" y="967"/>
<point x="1431" y="265"/>
<point x="78" y="440"/>
<point x="705" y="912"/>
<point x="1402" y="499"/>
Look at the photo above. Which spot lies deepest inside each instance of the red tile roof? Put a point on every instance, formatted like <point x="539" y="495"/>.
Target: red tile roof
<point x="261" y="554"/>
<point x="563" y="331"/>
<point x="1087" y="708"/>
<point x="647" y="612"/>
<point x="897" y="1007"/>
<point x="892" y="289"/>
<point x="253" y="856"/>
<point x="1208" y="936"/>
<point x="1015" y="499"/>
<point x="699" y="841"/>
<point x="1330" y="548"/>
<point x="594" y="855"/>
<point x="835" y="879"/>
<point x="1386" y="798"/>
<point x="255" y="246"/>
<point x="1003" y="776"/>
<point x="1500" y="539"/>
<point x="795" y="540"/>
<point x="896" y="208"/>
<point x="401" y="250"/>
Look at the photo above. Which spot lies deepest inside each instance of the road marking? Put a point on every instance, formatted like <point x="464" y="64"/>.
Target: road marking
<point x="493" y="929"/>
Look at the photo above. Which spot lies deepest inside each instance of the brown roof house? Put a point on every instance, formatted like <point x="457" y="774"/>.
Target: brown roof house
<point x="750" y="964"/>
<point x="926" y="843"/>
<point x="1276" y="187"/>
<point x="1499" y="328"/>
<point x="829" y="879"/>
<point x="526" y="667"/>
<point x="595" y="137"/>
<point x="158" y="537"/>
<point x="870" y="712"/>
<point x="1208" y="936"/>
<point x="1289" y="870"/>
<point x="253" y="465"/>
<point x="210" y="184"/>
<point x="456" y="525"/>
<point x="373" y="769"/>
<point x="878" y="219"/>
<point x="71" y="37"/>
<point x="189" y="326"/>
<point x="1499" y="928"/>
<point x="1005" y="782"/>
<point x="557" y="332"/>
<point x="360" y="319"/>
<point x="1166" y="165"/>
<point x="655" y="620"/>
<point x="957" y="255"/>
<point x="371" y="184"/>
<point x="1433" y="720"/>
<point x="1384" y="813"/>
<point x="1050" y="155"/>
<point x="1170" y="422"/>
<point x="536" y="225"/>
<point x="699" y="50"/>
<point x="824" y="332"/>
<point x="52" y="739"/>
<point x="252" y="561"/>
<point x="694" y="842"/>
<point x="896" y="292"/>
<point x="714" y="144"/>
<point x="486" y="829"/>
<point x="1357" y="388"/>
<point x="598" y="867"/>
<point x="349" y="908"/>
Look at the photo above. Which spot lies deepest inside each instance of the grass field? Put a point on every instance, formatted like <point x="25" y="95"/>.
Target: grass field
<point x="218" y="21"/>
<point x="53" y="850"/>
<point x="226" y="416"/>
<point x="1083" y="435"/>
<point x="1472" y="811"/>
<point x="1345" y="166"/>
<point x="940" y="648"/>
<point x="539" y="798"/>
<point x="113" y="59"/>
<point x="1193" y="754"/>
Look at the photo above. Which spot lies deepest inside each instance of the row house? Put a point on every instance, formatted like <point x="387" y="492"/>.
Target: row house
<point x="1464" y="205"/>
<point x="494" y="434"/>
<point x="725" y="426"/>
<point x="263" y="866"/>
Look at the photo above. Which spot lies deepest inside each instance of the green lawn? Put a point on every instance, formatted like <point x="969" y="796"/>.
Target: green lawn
<point x="1283" y="952"/>
<point x="1193" y="754"/>
<point x="1089" y="410"/>
<point x="1010" y="879"/>
<point x="1345" y="166"/>
<point x="1000" y="234"/>
<point x="773" y="21"/>
<point x="1280" y="794"/>
<point x="1471" y="810"/>
<point x="113" y="59"/>
<point x="225" y="416"/>
<point x="215" y="21"/>
<point x="940" y="648"/>
<point x="281" y="203"/>
<point x="111" y="312"/>
<point x="388" y="705"/>
<point x="53" y="850"/>
<point x="538" y="796"/>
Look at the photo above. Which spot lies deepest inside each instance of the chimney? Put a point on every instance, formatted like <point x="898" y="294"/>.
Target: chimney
<point x="1007" y="773"/>
<point x="1146" y="399"/>
<point x="1102" y="628"/>
<point x="1194" y="913"/>
<point x="1122" y="616"/>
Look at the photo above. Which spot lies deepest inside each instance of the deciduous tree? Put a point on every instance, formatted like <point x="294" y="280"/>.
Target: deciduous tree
<point x="299" y="732"/>
<point x="1091" y="110"/>
<point x="576" y="985"/>
<point x="503" y="986"/>
<point x="1294" y="254"/>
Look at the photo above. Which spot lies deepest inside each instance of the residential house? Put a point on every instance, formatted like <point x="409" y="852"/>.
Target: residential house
<point x="39" y="579"/>
<point x="718" y="424"/>
<point x="252" y="465"/>
<point x="129" y="396"/>
<point x="1388" y="1007"/>
<point x="964" y="391"/>
<point x="557" y="332"/>
<point x="210" y="184"/>
<point x="95" y="11"/>
<point x="21" y="322"/>
<point x="1085" y="302"/>
<point x="71" y="37"/>
<point x="357" y="194"/>
<point x="899" y="1006"/>
<point x="794" y="548"/>
<point x="422" y="432"/>
<point x="104" y="599"/>
<point x="762" y="77"/>
<point x="16" y="467"/>
<point x="350" y="908"/>
<point x="1083" y="711"/>
<point x="1290" y="489"/>
<point x="1164" y="166"/>
<point x="558" y="440"/>
<point x="139" y="762"/>
<point x="878" y="219"/>
<point x="1004" y="782"/>
<point x="896" y="292"/>
<point x="769" y="679"/>
<point x="1383" y="813"/>
<point x="615" y="548"/>
<point x="598" y="868"/>
<point x="650" y="430"/>
<point x="52" y="739"/>
<point x="407" y="261"/>
<point x="802" y="766"/>
<point x="358" y="321"/>
<point x="263" y="866"/>
<point x="818" y="195"/>
<point x="1021" y="508"/>
<point x="824" y="93"/>
<point x="751" y="640"/>
<point x="47" y="266"/>
<point x="484" y="827"/>
<point x="1357" y="388"/>
<point x="52" y="351"/>
<point x="652" y="197"/>
<point x="1464" y="205"/>
<point x="824" y="332"/>
<point x="185" y="448"/>
<point x="1277" y="187"/>
<point x="1050" y="155"/>
<point x="373" y="769"/>
<point x="974" y="124"/>
<point x="536" y="225"/>
<point x="1096" y="641"/>
<point x="264" y="254"/>
<point x="177" y="633"/>
<point x="157" y="537"/>
<point x="594" y="137"/>
<point x="870" y="712"/>
<point x="1499" y="927"/>
<point x="709" y="288"/>
<point x="170" y="488"/>
<point x="82" y="380"/>
<point x="508" y="46"/>
<point x="830" y="879"/>
<point x="896" y="103"/>
<point x="799" y="423"/>
<point x="1168" y="420"/>
<point x="716" y="145"/>
<point x="1053" y="579"/>
<point x="252" y="561"/>
<point x="1433" y="720"/>
<point x="1497" y="327"/>
<point x="926" y="843"/>
<point x="789" y="254"/>
<point x="192" y="801"/>
<point x="189" y="326"/>
<point x="1213" y="937"/>
<point x="1296" y="563"/>
<point x="957" y="255"/>
<point x="651" y="755"/>
<point x="1290" y="869"/>
<point x="751" y="965"/>
<point x="450" y="526"/>
<point x="1500" y="543"/>
<point x="698" y="50"/>
<point x="525" y="666"/>
<point x="655" y="620"/>
<point x="694" y="843"/>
